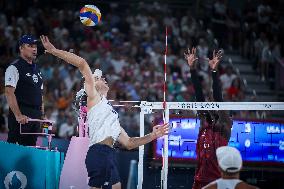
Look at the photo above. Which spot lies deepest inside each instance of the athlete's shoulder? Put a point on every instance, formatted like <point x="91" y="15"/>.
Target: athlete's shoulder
<point x="243" y="185"/>
<point x="212" y="185"/>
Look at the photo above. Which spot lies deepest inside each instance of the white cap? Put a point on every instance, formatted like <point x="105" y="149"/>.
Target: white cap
<point x="229" y="159"/>
<point x="98" y="73"/>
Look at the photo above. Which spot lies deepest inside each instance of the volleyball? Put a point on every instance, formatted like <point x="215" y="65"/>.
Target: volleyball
<point x="90" y="15"/>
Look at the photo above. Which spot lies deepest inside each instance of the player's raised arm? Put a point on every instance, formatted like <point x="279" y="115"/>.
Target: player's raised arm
<point x="79" y="62"/>
<point x="213" y="64"/>
<point x="134" y="142"/>
<point x="190" y="56"/>
<point x="225" y="121"/>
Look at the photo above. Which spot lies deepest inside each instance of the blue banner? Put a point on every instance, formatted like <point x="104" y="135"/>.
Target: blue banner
<point x="29" y="168"/>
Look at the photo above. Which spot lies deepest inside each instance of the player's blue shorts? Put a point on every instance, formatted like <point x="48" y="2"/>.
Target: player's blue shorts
<point x="101" y="165"/>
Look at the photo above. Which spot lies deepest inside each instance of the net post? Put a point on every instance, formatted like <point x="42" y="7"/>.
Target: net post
<point x="143" y="111"/>
<point x="165" y="168"/>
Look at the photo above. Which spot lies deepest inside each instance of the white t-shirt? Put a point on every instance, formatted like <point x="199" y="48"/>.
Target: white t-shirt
<point x="118" y="65"/>
<point x="103" y="122"/>
<point x="11" y="76"/>
<point x="227" y="183"/>
<point x="66" y="130"/>
<point x="227" y="80"/>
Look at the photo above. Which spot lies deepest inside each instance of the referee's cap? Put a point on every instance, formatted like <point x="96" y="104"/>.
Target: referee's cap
<point x="229" y="159"/>
<point x="27" y="39"/>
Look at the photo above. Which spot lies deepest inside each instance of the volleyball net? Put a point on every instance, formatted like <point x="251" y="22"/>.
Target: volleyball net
<point x="255" y="133"/>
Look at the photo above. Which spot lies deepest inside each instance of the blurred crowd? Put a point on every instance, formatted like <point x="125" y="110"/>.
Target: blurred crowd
<point x="129" y="46"/>
<point x="262" y="39"/>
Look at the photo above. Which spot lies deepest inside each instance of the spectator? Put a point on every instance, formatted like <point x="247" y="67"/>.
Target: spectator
<point x="259" y="44"/>
<point x="227" y="78"/>
<point x="233" y="25"/>
<point x="202" y="54"/>
<point x="235" y="91"/>
<point x="61" y="118"/>
<point x="67" y="128"/>
<point x="267" y="60"/>
<point x="270" y="56"/>
<point x="219" y="21"/>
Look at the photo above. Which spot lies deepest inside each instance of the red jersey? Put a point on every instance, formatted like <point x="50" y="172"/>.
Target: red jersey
<point x="207" y="166"/>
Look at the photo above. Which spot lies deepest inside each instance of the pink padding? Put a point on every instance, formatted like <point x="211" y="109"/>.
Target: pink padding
<point x="39" y="141"/>
<point x="74" y="172"/>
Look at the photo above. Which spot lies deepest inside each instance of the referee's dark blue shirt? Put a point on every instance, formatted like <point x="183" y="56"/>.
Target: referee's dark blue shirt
<point x="27" y="80"/>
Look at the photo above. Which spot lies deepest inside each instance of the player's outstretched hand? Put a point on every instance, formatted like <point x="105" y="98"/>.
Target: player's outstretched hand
<point x="190" y="56"/>
<point x="214" y="62"/>
<point x="160" y="130"/>
<point x="49" y="47"/>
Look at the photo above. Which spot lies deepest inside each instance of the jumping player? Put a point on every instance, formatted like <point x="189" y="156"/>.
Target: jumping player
<point x="104" y="126"/>
<point x="215" y="126"/>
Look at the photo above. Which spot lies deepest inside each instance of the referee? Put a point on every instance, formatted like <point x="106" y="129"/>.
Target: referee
<point x="23" y="90"/>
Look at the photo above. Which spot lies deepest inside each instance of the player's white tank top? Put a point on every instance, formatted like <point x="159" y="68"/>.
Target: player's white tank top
<point x="227" y="183"/>
<point x="103" y="122"/>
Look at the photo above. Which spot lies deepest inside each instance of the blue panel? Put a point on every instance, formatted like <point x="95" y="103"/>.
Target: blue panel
<point x="257" y="140"/>
<point x="26" y="167"/>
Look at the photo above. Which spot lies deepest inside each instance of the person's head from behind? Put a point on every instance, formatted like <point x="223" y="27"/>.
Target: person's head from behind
<point x="229" y="70"/>
<point x="100" y="83"/>
<point x="229" y="160"/>
<point x="61" y="113"/>
<point x="236" y="83"/>
<point x="202" y="42"/>
<point x="28" y="47"/>
<point x="70" y="120"/>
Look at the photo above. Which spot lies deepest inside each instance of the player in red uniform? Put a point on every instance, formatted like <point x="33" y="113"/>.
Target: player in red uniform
<point x="215" y="126"/>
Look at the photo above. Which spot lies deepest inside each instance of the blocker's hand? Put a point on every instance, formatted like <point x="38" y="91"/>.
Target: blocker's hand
<point x="190" y="56"/>
<point x="214" y="62"/>
<point x="160" y="130"/>
<point x="49" y="47"/>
